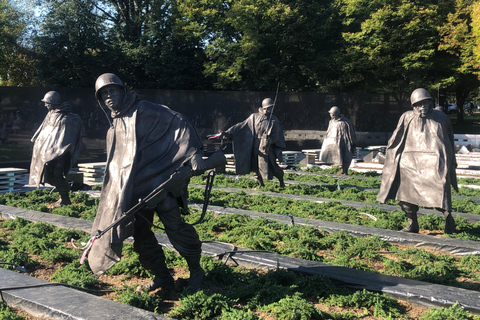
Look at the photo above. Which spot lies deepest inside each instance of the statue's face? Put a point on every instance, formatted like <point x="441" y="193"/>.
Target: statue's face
<point x="112" y="95"/>
<point x="334" y="116"/>
<point x="422" y="108"/>
<point x="48" y="106"/>
<point x="267" y="110"/>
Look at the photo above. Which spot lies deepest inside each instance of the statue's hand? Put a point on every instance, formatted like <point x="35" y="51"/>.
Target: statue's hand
<point x="197" y="163"/>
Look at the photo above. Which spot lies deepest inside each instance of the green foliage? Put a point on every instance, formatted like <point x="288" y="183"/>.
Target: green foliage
<point x="201" y="305"/>
<point x="294" y="308"/>
<point x="7" y="314"/>
<point x="83" y="206"/>
<point x="129" y="265"/>
<point x="75" y="274"/>
<point x="139" y="300"/>
<point x="382" y="305"/>
<point x="454" y="312"/>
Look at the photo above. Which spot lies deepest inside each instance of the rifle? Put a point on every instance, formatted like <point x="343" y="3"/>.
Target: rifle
<point x="160" y="193"/>
<point x="269" y="130"/>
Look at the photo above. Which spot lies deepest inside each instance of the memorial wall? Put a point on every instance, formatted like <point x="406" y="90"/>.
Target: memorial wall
<point x="22" y="112"/>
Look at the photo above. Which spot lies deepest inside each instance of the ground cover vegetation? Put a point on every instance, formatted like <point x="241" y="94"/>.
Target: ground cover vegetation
<point x="381" y="46"/>
<point x="341" y="189"/>
<point x="233" y="292"/>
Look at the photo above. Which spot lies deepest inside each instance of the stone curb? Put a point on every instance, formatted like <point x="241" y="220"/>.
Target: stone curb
<point x="45" y="300"/>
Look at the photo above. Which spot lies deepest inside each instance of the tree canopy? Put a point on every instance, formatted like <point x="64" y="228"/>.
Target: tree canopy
<point x="305" y="45"/>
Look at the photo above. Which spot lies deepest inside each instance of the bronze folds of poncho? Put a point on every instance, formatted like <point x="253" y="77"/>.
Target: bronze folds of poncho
<point x="58" y="135"/>
<point x="420" y="161"/>
<point x="145" y="145"/>
<point x="338" y="142"/>
<point x="248" y="139"/>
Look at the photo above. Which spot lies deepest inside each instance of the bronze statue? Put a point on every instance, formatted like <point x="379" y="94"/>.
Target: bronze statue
<point x="258" y="142"/>
<point x="56" y="146"/>
<point x="420" y="162"/>
<point x="146" y="144"/>
<point x="340" y="141"/>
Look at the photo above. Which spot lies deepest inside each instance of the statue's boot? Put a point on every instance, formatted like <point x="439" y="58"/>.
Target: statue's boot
<point x="449" y="223"/>
<point x="282" y="183"/>
<point x="162" y="279"/>
<point x="63" y="201"/>
<point x="197" y="274"/>
<point x="260" y="181"/>
<point x="412" y="225"/>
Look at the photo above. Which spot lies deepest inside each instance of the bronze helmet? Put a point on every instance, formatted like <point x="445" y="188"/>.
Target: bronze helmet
<point x="105" y="80"/>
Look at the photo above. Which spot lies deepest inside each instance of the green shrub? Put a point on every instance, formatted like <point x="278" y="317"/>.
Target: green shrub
<point x="75" y="274"/>
<point x="452" y="313"/>
<point x="294" y="308"/>
<point x="138" y="300"/>
<point x="201" y="305"/>
<point x="381" y="305"/>
<point x="7" y="314"/>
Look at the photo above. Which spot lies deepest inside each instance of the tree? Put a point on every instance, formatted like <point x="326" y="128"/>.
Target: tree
<point x="458" y="41"/>
<point x="475" y="16"/>
<point x="70" y="45"/>
<point x="390" y="45"/>
<point x="160" y="54"/>
<point x="16" y="63"/>
<point x="253" y="45"/>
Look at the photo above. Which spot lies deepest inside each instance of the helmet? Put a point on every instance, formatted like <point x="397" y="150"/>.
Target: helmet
<point x="267" y="102"/>
<point x="105" y="80"/>
<point x="419" y="94"/>
<point x="334" y="110"/>
<point x="52" y="97"/>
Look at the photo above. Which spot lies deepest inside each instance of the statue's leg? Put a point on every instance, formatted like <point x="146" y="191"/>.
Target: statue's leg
<point x="151" y="256"/>
<point x="449" y="222"/>
<point x="55" y="172"/>
<point x="259" y="178"/>
<point x="184" y="239"/>
<point x="411" y="213"/>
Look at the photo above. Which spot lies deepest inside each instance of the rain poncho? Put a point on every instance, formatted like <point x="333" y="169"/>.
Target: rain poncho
<point x="337" y="147"/>
<point x="420" y="161"/>
<point x="59" y="136"/>
<point x="250" y="144"/>
<point x="145" y="145"/>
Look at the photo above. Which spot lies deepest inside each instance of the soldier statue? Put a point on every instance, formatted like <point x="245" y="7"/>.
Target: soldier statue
<point x="340" y="141"/>
<point x="146" y="144"/>
<point x="258" y="142"/>
<point x="56" y="146"/>
<point x="420" y="162"/>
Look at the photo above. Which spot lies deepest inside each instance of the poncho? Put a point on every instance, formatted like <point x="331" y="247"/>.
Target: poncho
<point x="59" y="134"/>
<point x="338" y="142"/>
<point x="420" y="161"/>
<point x="145" y="145"/>
<point x="249" y="139"/>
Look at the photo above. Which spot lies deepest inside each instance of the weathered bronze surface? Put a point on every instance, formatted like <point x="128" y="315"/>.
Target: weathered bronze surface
<point x="420" y="160"/>
<point x="146" y="143"/>
<point x="340" y="141"/>
<point x="56" y="146"/>
<point x="258" y="142"/>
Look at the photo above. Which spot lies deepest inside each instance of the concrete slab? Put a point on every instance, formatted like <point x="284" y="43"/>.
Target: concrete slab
<point x="44" y="300"/>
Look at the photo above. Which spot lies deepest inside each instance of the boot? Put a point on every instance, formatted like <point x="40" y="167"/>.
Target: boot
<point x="412" y="225"/>
<point x="282" y="183"/>
<point x="260" y="182"/>
<point x="164" y="281"/>
<point x="63" y="201"/>
<point x="449" y="223"/>
<point x="197" y="274"/>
